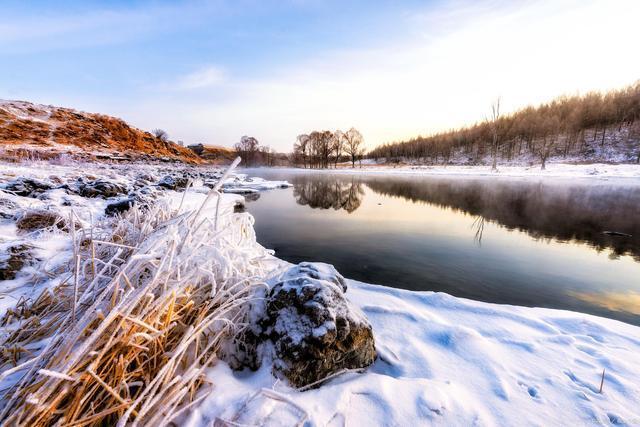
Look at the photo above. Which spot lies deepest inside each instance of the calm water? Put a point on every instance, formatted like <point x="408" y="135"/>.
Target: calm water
<point x="508" y="241"/>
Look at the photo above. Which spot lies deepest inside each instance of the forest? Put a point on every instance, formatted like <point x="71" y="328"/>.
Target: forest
<point x="593" y="126"/>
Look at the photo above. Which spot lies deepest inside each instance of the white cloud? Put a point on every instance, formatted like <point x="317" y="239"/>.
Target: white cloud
<point x="205" y="77"/>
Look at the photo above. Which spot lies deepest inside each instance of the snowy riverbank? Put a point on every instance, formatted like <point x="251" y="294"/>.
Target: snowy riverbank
<point x="441" y="360"/>
<point x="553" y="170"/>
<point x="449" y="361"/>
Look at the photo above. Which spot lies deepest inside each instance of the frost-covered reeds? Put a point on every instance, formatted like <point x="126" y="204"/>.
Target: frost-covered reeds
<point x="150" y="298"/>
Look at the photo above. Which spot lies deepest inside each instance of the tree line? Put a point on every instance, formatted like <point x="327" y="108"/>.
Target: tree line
<point x="321" y="149"/>
<point x="254" y="154"/>
<point x="566" y="125"/>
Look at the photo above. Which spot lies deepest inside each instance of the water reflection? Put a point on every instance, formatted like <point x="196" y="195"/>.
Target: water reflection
<point x="560" y="211"/>
<point x="455" y="235"/>
<point x="626" y="302"/>
<point x="328" y="193"/>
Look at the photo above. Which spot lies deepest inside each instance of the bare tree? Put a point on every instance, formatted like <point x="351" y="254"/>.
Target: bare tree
<point x="338" y="145"/>
<point x="247" y="149"/>
<point x="353" y="145"/>
<point x="495" y="116"/>
<point x="326" y="140"/>
<point x="268" y="155"/>
<point x="551" y="130"/>
<point x="301" y="148"/>
<point x="160" y="134"/>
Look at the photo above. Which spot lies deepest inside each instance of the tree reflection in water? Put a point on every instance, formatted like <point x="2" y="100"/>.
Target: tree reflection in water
<point x="545" y="210"/>
<point x="328" y="193"/>
<point x="563" y="211"/>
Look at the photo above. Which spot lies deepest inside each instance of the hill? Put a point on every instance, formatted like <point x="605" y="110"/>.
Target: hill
<point x="45" y="131"/>
<point x="595" y="127"/>
<point x="213" y="153"/>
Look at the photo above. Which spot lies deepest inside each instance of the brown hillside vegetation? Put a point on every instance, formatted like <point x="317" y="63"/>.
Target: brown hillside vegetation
<point x="591" y="127"/>
<point x="24" y="125"/>
<point x="214" y="154"/>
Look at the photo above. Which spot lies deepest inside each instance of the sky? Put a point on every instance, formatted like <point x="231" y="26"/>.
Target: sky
<point x="212" y="71"/>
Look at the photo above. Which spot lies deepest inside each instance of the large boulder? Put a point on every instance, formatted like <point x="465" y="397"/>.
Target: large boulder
<point x="314" y="329"/>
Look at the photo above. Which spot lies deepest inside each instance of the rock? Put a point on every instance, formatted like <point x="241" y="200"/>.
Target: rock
<point x="101" y="188"/>
<point x="13" y="259"/>
<point x="8" y="208"/>
<point x="39" y="219"/>
<point x="239" y="207"/>
<point x="28" y="187"/>
<point x="148" y="178"/>
<point x="174" y="182"/>
<point x="314" y="329"/>
<point x="119" y="207"/>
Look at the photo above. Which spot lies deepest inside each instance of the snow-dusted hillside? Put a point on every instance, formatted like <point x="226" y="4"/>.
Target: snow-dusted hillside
<point x="29" y="130"/>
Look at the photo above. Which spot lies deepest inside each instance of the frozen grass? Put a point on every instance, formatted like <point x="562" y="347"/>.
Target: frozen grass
<point x="125" y="338"/>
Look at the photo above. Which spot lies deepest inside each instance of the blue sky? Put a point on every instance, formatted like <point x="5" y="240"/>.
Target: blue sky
<point x="212" y="71"/>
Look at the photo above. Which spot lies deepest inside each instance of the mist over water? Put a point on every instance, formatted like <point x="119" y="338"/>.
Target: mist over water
<point x="504" y="240"/>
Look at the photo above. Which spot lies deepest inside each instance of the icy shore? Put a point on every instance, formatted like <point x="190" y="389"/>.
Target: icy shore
<point x="450" y="361"/>
<point x="553" y="170"/>
<point x="441" y="360"/>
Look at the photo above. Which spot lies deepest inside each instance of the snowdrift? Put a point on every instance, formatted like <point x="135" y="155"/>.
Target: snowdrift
<point x="441" y="360"/>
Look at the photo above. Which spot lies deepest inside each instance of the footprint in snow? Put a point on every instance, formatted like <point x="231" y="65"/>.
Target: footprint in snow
<point x="580" y="383"/>
<point x="532" y="391"/>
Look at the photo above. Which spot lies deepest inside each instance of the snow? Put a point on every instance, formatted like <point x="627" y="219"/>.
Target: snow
<point x="553" y="170"/>
<point x="450" y="361"/>
<point x="441" y="360"/>
<point x="242" y="184"/>
<point x="53" y="249"/>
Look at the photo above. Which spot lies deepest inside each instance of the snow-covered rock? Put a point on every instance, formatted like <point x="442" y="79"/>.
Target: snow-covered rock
<point x="450" y="361"/>
<point x="101" y="188"/>
<point x="314" y="329"/>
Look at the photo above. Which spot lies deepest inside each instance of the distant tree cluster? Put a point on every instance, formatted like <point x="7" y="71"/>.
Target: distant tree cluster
<point x="562" y="126"/>
<point x="253" y="154"/>
<point x="321" y="149"/>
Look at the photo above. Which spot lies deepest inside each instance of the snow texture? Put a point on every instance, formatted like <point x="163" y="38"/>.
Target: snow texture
<point x="553" y="170"/>
<point x="449" y="361"/>
<point x="441" y="360"/>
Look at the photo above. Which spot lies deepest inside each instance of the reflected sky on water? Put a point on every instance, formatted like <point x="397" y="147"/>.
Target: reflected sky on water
<point x="509" y="241"/>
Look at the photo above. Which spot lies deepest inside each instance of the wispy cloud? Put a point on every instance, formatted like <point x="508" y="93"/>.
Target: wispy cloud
<point x="22" y="32"/>
<point x="439" y="66"/>
<point x="204" y="77"/>
<point x="420" y="85"/>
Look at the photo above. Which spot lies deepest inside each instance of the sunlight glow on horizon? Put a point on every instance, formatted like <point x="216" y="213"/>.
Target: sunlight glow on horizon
<point x="441" y="68"/>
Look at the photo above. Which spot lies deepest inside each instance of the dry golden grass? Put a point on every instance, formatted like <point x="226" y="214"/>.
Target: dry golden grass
<point x="126" y="338"/>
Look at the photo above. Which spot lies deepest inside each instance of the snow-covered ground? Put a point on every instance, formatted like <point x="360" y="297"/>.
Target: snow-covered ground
<point x="441" y="360"/>
<point x="454" y="362"/>
<point x="553" y="170"/>
<point x="50" y="251"/>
